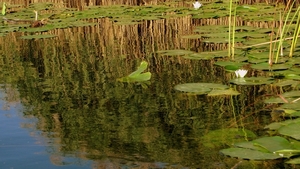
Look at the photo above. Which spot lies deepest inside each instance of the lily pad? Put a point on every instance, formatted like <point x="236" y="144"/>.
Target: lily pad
<point x="286" y="83"/>
<point x="252" y="81"/>
<point x="294" y="161"/>
<point x="249" y="154"/>
<point x="199" y="88"/>
<point x="266" y="66"/>
<point x="228" y="92"/>
<point x="175" y="52"/>
<point x="262" y="149"/>
<point x="277" y="125"/>
<point x="293" y="76"/>
<point x="228" y="63"/>
<point x="227" y="136"/>
<point x="277" y="100"/>
<point x="293" y="106"/>
<point x="291" y="94"/>
<point x="291" y="130"/>
<point x="205" y="55"/>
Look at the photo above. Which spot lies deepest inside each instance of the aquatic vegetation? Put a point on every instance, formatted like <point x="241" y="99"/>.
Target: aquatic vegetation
<point x="252" y="81"/>
<point x="211" y="89"/>
<point x="138" y="76"/>
<point x="175" y="52"/>
<point x="227" y="136"/>
<point x="265" y="148"/>
<point x="274" y="147"/>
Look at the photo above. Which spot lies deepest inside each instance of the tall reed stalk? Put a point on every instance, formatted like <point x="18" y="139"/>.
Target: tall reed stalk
<point x="283" y="31"/>
<point x="296" y="34"/>
<point x="231" y="29"/>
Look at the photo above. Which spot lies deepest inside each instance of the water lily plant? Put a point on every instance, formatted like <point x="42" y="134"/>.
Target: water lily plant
<point x="197" y="5"/>
<point x="241" y="73"/>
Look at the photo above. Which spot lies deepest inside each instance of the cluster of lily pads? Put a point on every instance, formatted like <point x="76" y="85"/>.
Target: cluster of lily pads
<point x="286" y="145"/>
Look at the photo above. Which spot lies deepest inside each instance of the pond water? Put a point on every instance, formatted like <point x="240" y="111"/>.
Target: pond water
<point x="65" y="108"/>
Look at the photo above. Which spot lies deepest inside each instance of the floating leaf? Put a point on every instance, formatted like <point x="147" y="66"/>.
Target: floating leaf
<point x="293" y="106"/>
<point x="225" y="136"/>
<point x="232" y="68"/>
<point x="293" y="76"/>
<point x="266" y="66"/>
<point x="249" y="154"/>
<point x="287" y="152"/>
<point x="228" y="92"/>
<point x="252" y="81"/>
<point x="291" y="130"/>
<point x="291" y="94"/>
<point x="286" y="83"/>
<point x="273" y="144"/>
<point x="205" y="55"/>
<point x="262" y="149"/>
<point x="277" y="100"/>
<point x="294" y="161"/>
<point x="199" y="88"/>
<point x="175" y="52"/>
<point x="228" y="63"/>
<point x="277" y="125"/>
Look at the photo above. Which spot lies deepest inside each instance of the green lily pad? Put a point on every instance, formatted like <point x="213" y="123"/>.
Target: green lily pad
<point x="266" y="66"/>
<point x="293" y="76"/>
<point x="249" y="154"/>
<point x="262" y="149"/>
<point x="293" y="106"/>
<point x="277" y="125"/>
<point x="227" y="136"/>
<point x="277" y="100"/>
<point x="199" y="88"/>
<point x="228" y="92"/>
<point x="273" y="144"/>
<point x="252" y="81"/>
<point x="228" y="63"/>
<point x="294" y="161"/>
<point x="291" y="94"/>
<point x="286" y="83"/>
<point x="291" y="130"/>
<point x="175" y="52"/>
<point x="294" y="113"/>
<point x="205" y="55"/>
<point x="231" y="68"/>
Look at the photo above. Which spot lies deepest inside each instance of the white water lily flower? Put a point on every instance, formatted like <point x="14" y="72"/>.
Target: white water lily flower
<point x="241" y="73"/>
<point x="197" y="5"/>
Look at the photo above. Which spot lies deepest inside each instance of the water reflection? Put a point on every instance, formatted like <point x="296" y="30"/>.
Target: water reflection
<point x="21" y="145"/>
<point x="69" y="86"/>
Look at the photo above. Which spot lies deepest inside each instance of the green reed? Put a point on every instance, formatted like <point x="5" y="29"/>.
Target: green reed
<point x="286" y="26"/>
<point x="296" y="33"/>
<point x="231" y="29"/>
